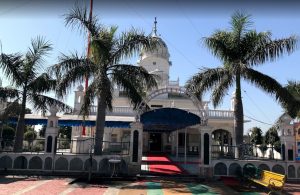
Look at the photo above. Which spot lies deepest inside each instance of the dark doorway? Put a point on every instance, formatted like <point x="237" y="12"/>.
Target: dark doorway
<point x="206" y="149"/>
<point x="155" y="142"/>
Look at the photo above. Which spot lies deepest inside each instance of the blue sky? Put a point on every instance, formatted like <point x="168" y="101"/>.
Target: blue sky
<point x="182" y="24"/>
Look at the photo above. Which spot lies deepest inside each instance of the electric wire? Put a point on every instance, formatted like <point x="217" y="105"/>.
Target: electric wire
<point x="256" y="105"/>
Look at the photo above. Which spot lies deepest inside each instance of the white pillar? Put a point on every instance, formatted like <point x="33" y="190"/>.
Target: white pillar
<point x="51" y="131"/>
<point x="136" y="148"/>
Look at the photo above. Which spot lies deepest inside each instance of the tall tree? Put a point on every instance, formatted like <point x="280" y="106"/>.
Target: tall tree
<point x="103" y="67"/>
<point x="256" y="136"/>
<point x="294" y="88"/>
<point x="272" y="138"/>
<point x="240" y="50"/>
<point x="29" y="84"/>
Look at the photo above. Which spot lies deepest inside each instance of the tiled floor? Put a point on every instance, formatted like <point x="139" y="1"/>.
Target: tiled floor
<point x="49" y="186"/>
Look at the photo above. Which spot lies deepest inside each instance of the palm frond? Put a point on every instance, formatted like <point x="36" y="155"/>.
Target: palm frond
<point x="12" y="65"/>
<point x="134" y="80"/>
<point x="294" y="88"/>
<point x="42" y="83"/>
<point x="69" y="62"/>
<point x="43" y="103"/>
<point x="270" y="50"/>
<point x="130" y="43"/>
<point x="221" y="89"/>
<point x="135" y="73"/>
<point x="240" y="22"/>
<point x="6" y="92"/>
<point x="71" y="78"/>
<point x="271" y="86"/>
<point x="78" y="18"/>
<point x="88" y="100"/>
<point x="205" y="80"/>
<point x="219" y="44"/>
<point x="250" y="42"/>
<point x="36" y="53"/>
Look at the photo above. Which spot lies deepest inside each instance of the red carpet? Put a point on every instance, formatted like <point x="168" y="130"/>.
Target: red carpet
<point x="162" y="165"/>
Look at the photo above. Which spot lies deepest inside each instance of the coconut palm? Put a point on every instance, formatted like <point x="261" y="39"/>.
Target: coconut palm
<point x="103" y="68"/>
<point x="240" y="50"/>
<point x="294" y="88"/>
<point x="28" y="83"/>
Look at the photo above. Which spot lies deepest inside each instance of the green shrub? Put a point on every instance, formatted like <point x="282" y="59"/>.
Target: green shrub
<point x="8" y="133"/>
<point x="30" y="136"/>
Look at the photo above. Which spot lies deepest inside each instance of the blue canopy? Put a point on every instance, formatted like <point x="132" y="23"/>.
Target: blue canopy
<point x="168" y="119"/>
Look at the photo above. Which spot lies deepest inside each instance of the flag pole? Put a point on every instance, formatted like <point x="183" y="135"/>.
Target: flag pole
<point x="88" y="55"/>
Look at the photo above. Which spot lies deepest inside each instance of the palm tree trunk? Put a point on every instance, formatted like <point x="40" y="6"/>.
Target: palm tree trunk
<point x="100" y="124"/>
<point x="238" y="114"/>
<point x="18" y="146"/>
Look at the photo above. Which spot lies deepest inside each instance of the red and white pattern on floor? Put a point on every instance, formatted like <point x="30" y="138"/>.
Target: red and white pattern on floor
<point x="160" y="164"/>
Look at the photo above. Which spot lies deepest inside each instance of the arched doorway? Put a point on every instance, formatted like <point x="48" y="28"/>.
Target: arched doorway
<point x="222" y="144"/>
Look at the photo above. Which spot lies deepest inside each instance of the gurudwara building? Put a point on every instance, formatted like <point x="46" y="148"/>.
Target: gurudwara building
<point x="169" y="121"/>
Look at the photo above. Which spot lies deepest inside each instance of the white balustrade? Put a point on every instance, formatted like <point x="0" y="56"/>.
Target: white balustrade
<point x="128" y="111"/>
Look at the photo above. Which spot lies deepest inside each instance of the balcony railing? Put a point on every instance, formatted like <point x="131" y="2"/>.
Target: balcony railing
<point x="247" y="151"/>
<point x="68" y="146"/>
<point x="128" y="111"/>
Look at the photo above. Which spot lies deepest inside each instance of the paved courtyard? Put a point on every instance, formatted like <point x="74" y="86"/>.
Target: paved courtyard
<point x="54" y="185"/>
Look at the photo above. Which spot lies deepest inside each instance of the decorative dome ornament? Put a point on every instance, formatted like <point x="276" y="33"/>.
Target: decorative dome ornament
<point x="80" y="88"/>
<point x="53" y="110"/>
<point x="161" y="50"/>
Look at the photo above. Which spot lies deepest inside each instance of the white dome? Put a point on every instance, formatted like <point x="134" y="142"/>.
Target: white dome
<point x="80" y="88"/>
<point x="160" y="51"/>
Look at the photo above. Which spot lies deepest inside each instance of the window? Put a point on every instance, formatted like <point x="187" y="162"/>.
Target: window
<point x="290" y="155"/>
<point x="181" y="139"/>
<point x="154" y="63"/>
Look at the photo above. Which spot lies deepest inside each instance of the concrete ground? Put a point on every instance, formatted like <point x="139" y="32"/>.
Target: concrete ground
<point x="155" y="186"/>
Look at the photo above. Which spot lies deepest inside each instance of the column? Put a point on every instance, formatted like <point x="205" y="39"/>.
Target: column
<point x="136" y="145"/>
<point x="51" y="131"/>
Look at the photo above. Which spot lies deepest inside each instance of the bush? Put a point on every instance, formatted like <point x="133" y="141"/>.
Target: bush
<point x="8" y="133"/>
<point x="30" y="136"/>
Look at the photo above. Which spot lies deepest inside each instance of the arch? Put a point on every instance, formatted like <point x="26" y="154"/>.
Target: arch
<point x="5" y="162"/>
<point x="221" y="137"/>
<point x="87" y="165"/>
<point x="291" y="171"/>
<point x="48" y="163"/>
<point x="235" y="169"/>
<point x="264" y="167"/>
<point x="249" y="170"/>
<point x="61" y="164"/>
<point x="104" y="168"/>
<point x="220" y="169"/>
<point x="278" y="169"/>
<point x="20" y="163"/>
<point x="35" y="163"/>
<point x="179" y="90"/>
<point x="76" y="164"/>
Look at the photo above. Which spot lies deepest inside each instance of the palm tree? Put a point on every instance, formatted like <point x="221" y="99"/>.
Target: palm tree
<point x="24" y="73"/>
<point x="294" y="88"/>
<point x="103" y="68"/>
<point x="240" y="50"/>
